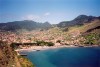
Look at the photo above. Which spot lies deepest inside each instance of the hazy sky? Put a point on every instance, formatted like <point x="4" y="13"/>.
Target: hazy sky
<point x="53" y="11"/>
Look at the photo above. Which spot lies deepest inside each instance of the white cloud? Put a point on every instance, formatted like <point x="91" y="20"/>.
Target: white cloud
<point x="30" y="17"/>
<point x="47" y="14"/>
<point x="37" y="18"/>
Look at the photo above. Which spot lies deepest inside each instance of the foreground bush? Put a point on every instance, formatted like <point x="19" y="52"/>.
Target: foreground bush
<point x="25" y="62"/>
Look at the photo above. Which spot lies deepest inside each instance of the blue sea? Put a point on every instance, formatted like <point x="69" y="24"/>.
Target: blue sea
<point x="66" y="57"/>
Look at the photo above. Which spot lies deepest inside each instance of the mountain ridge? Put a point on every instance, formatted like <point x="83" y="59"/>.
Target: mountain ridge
<point x="32" y="25"/>
<point x="79" y="20"/>
<point x="25" y="24"/>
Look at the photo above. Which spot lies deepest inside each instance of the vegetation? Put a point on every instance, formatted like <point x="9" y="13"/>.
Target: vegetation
<point x="14" y="45"/>
<point x="38" y="43"/>
<point x="58" y="41"/>
<point x="6" y="55"/>
<point x="25" y="62"/>
<point x="92" y="38"/>
<point x="43" y="43"/>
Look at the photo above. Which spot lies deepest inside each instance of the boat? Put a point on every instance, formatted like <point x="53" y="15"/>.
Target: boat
<point x="37" y="50"/>
<point x="23" y="54"/>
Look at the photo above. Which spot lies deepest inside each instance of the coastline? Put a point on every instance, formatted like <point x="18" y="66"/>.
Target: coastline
<point x="39" y="48"/>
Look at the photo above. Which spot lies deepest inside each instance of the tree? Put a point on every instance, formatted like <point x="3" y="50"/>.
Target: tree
<point x="58" y="41"/>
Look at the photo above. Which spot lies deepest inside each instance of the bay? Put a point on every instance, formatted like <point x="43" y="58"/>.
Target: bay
<point x="66" y="57"/>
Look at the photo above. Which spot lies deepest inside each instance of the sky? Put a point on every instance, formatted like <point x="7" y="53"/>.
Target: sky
<point x="53" y="11"/>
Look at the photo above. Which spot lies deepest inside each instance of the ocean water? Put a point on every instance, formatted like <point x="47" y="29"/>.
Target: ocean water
<point x="66" y="57"/>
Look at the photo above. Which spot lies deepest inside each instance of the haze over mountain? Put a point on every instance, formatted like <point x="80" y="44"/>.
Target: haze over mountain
<point x="32" y="25"/>
<point x="26" y="24"/>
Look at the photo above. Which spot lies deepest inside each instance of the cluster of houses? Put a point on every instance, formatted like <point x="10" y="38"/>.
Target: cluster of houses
<point x="47" y="36"/>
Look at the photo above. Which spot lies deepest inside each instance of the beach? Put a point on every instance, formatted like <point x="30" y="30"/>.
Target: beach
<point x="38" y="48"/>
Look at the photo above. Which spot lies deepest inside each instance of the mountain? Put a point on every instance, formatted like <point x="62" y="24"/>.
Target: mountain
<point x="26" y="24"/>
<point x="32" y="25"/>
<point x="80" y="20"/>
<point x="94" y="26"/>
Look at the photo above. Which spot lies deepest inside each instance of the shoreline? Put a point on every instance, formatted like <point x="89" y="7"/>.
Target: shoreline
<point x="39" y="48"/>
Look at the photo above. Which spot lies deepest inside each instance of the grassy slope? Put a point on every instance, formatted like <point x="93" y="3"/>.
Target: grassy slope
<point x="8" y="57"/>
<point x="85" y="27"/>
<point x="91" y="25"/>
<point x="25" y="62"/>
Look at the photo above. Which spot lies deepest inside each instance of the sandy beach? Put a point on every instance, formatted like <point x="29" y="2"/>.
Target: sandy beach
<point x="38" y="48"/>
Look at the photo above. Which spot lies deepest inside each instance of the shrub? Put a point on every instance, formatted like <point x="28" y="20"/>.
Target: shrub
<point x="43" y="43"/>
<point x="50" y="44"/>
<point x="92" y="38"/>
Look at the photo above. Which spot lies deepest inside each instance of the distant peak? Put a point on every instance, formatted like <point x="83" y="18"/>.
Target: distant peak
<point x="81" y="16"/>
<point x="46" y="22"/>
<point x="27" y="20"/>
